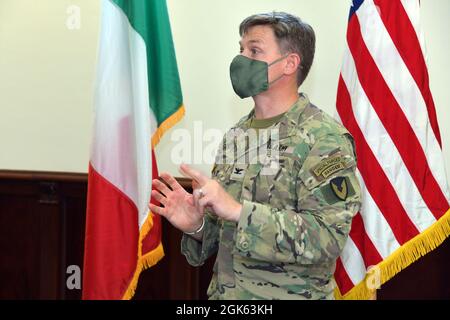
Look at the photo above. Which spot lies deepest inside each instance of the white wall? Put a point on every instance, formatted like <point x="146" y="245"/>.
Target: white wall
<point x="47" y="72"/>
<point x="46" y="84"/>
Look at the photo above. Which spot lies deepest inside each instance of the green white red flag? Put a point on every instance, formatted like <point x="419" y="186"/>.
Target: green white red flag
<point x="138" y="97"/>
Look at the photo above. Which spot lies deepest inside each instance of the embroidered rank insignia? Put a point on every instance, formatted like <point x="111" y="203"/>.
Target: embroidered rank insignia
<point x="339" y="187"/>
<point x="238" y="173"/>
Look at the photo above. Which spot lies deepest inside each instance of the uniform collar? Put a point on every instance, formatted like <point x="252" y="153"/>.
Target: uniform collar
<point x="288" y="123"/>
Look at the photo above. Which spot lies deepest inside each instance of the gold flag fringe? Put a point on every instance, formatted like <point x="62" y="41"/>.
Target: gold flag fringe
<point x="166" y="125"/>
<point x="146" y="261"/>
<point x="401" y="258"/>
<point x="151" y="258"/>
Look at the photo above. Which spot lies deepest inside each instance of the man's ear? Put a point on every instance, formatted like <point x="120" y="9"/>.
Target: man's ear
<point x="293" y="63"/>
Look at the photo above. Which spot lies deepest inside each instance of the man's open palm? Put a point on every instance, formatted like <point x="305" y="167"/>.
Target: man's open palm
<point x="178" y="205"/>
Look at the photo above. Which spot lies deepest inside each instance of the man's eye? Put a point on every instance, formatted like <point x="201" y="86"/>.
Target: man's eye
<point x="254" y="51"/>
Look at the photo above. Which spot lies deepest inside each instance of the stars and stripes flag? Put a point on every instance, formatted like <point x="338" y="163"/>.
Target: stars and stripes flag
<point x="384" y="100"/>
<point x="138" y="97"/>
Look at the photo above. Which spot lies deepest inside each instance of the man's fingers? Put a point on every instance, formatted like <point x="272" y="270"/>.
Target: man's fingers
<point x="196" y="194"/>
<point x="170" y="181"/>
<point x="199" y="177"/>
<point x="161" y="187"/>
<point x="159" y="197"/>
<point x="157" y="210"/>
<point x="202" y="203"/>
<point x="195" y="184"/>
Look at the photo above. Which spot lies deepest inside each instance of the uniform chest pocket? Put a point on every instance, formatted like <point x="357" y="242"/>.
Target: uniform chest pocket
<point x="231" y="177"/>
<point x="275" y="183"/>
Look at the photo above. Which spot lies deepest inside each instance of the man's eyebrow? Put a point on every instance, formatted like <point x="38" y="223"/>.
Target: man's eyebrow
<point x="253" y="41"/>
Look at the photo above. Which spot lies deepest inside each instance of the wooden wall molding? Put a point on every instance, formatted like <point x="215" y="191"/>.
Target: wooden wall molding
<point x="42" y="175"/>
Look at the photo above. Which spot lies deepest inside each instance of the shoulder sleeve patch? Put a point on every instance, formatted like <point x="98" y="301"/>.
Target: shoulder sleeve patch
<point x="328" y="166"/>
<point x="339" y="189"/>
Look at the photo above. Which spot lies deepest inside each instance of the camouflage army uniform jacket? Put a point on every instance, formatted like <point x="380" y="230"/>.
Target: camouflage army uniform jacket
<point x="295" y="219"/>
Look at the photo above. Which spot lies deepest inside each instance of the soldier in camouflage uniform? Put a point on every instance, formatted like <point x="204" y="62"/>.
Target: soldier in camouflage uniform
<point x="277" y="219"/>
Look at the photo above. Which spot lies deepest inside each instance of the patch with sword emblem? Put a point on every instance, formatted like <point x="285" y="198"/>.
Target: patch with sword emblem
<point x="338" y="189"/>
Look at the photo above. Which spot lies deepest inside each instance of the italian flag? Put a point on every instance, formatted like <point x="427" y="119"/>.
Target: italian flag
<point x="138" y="97"/>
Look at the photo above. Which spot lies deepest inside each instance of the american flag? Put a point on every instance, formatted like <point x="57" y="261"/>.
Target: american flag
<point x="384" y="100"/>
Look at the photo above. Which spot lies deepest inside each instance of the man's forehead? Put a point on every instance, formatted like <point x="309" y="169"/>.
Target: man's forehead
<point x="257" y="35"/>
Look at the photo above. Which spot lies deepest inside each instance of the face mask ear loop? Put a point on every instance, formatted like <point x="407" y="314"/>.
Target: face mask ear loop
<point x="277" y="60"/>
<point x="275" y="80"/>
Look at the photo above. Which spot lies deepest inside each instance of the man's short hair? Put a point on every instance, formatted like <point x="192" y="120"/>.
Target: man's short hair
<point x="292" y="34"/>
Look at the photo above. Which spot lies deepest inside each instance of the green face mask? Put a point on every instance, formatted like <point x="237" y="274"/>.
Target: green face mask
<point x="250" y="77"/>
